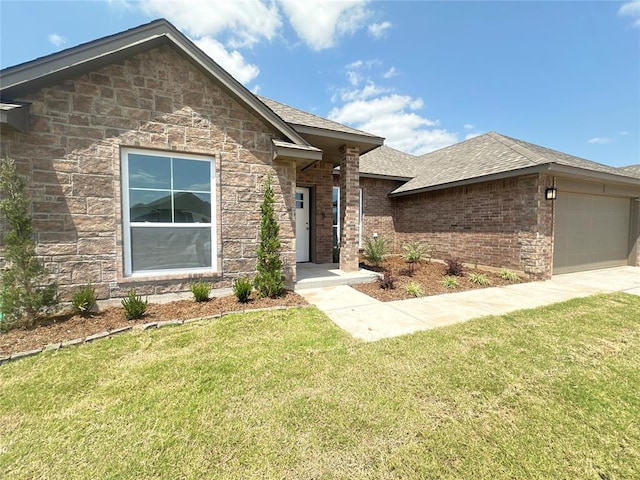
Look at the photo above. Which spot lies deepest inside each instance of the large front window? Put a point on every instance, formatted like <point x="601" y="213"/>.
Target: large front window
<point x="168" y="209"/>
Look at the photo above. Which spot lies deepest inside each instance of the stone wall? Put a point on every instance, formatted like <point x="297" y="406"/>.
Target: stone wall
<point x="502" y="223"/>
<point x="156" y="100"/>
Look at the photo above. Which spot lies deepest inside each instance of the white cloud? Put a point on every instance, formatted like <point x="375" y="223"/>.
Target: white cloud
<point x="468" y="126"/>
<point x="631" y="9"/>
<point x="623" y="132"/>
<point x="319" y="23"/>
<point x="379" y="30"/>
<point x="231" y="60"/>
<point x="396" y="118"/>
<point x="599" y="140"/>
<point x="242" y="23"/>
<point x="390" y="73"/>
<point x="57" y="40"/>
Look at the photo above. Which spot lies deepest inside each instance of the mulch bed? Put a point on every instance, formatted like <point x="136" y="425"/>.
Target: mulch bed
<point x="68" y="326"/>
<point x="428" y="275"/>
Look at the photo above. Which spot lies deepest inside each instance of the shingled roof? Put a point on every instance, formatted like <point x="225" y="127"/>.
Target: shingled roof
<point x="389" y="162"/>
<point x="295" y="116"/>
<point x="493" y="155"/>
<point x="633" y="170"/>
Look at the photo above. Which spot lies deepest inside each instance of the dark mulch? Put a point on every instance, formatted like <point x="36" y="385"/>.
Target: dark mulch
<point x="428" y="275"/>
<point x="68" y="326"/>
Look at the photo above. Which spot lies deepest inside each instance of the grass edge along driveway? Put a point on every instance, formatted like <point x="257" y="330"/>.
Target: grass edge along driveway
<point x="547" y="393"/>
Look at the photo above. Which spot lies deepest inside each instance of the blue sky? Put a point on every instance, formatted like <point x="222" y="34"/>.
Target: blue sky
<point x="565" y="75"/>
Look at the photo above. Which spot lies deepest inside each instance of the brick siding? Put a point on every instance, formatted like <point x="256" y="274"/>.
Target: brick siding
<point x="156" y="100"/>
<point x="502" y="223"/>
<point x="319" y="177"/>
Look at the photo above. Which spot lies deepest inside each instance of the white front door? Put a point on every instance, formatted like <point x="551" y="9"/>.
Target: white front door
<point x="302" y="224"/>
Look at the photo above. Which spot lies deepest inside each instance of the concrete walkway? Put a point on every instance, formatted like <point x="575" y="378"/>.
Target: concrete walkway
<point x="370" y="320"/>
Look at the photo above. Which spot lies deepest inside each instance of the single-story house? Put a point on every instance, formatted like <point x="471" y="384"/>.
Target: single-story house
<point x="499" y="201"/>
<point x="146" y="163"/>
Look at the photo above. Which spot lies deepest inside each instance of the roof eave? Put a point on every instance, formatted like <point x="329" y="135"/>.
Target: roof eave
<point x="347" y="137"/>
<point x="469" y="181"/>
<point x="574" y="172"/>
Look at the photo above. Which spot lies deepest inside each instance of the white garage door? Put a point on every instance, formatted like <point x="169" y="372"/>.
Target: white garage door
<point x="590" y="232"/>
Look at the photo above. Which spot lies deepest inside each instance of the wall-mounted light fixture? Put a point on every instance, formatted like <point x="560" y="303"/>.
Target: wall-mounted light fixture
<point x="550" y="193"/>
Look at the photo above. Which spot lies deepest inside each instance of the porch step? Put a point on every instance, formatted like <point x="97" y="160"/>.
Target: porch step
<point x="314" y="275"/>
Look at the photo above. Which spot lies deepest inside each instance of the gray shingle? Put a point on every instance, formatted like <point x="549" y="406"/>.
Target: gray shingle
<point x="295" y="116"/>
<point x="489" y="154"/>
<point x="631" y="170"/>
<point x="389" y="162"/>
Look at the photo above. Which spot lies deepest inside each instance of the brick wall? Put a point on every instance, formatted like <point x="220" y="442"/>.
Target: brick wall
<point x="503" y="223"/>
<point x="378" y="210"/>
<point x="155" y="100"/>
<point x="349" y="208"/>
<point x="319" y="177"/>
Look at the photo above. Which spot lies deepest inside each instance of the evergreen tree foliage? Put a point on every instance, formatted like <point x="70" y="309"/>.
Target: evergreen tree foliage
<point x="269" y="281"/>
<point x="27" y="292"/>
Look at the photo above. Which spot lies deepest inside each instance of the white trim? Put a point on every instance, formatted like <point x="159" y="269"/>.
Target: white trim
<point x="127" y="225"/>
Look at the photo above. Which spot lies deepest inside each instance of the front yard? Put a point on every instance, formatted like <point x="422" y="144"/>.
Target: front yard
<point x="546" y="393"/>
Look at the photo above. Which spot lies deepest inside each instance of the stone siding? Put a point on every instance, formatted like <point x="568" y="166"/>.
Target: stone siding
<point x="349" y="208"/>
<point x="156" y="100"/>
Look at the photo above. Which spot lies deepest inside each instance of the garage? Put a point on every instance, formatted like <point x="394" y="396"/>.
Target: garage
<point x="591" y="232"/>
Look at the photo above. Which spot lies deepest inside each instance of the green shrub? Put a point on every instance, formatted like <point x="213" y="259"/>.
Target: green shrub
<point x="450" y="282"/>
<point x="84" y="300"/>
<point x="375" y="250"/>
<point x="508" y="275"/>
<point x="416" y="252"/>
<point x="269" y="281"/>
<point x="415" y="289"/>
<point x="336" y="254"/>
<point x="480" y="279"/>
<point x="201" y="291"/>
<point x="134" y="306"/>
<point x="387" y="281"/>
<point x="453" y="267"/>
<point x="26" y="292"/>
<point x="242" y="289"/>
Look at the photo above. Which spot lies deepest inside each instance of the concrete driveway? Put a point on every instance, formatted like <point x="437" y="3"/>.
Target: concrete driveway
<point x="370" y="320"/>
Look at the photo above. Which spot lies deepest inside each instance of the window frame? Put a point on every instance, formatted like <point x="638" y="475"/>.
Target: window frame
<point x="127" y="225"/>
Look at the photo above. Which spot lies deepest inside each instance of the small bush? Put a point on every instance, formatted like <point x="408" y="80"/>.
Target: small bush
<point x="336" y="254"/>
<point x="201" y="291"/>
<point x="453" y="267"/>
<point x="480" y="279"/>
<point x="415" y="289"/>
<point x="375" y="250"/>
<point x="508" y="275"/>
<point x="84" y="300"/>
<point x="408" y="271"/>
<point x="416" y="252"/>
<point x="387" y="282"/>
<point x="450" y="282"/>
<point x="242" y="289"/>
<point x="134" y="306"/>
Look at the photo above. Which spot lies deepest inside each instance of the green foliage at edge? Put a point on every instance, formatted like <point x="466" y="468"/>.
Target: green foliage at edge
<point x="269" y="281"/>
<point x="27" y="292"/>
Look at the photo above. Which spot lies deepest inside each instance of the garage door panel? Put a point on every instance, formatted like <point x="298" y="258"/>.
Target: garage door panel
<point x="590" y="232"/>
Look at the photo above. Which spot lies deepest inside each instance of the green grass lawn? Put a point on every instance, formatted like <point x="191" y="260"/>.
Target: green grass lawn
<point x="546" y="393"/>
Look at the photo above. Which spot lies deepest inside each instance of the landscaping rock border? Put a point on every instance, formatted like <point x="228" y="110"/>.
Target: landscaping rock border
<point x="54" y="347"/>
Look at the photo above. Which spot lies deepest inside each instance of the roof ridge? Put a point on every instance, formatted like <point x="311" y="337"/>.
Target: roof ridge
<point x="525" y="152"/>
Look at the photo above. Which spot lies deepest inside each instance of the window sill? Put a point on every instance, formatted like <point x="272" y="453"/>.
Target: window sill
<point x="164" y="277"/>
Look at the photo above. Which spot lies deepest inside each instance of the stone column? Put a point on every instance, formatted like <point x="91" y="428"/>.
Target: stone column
<point x="349" y="205"/>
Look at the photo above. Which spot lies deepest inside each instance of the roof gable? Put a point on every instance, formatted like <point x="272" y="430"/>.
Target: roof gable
<point x="27" y="77"/>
